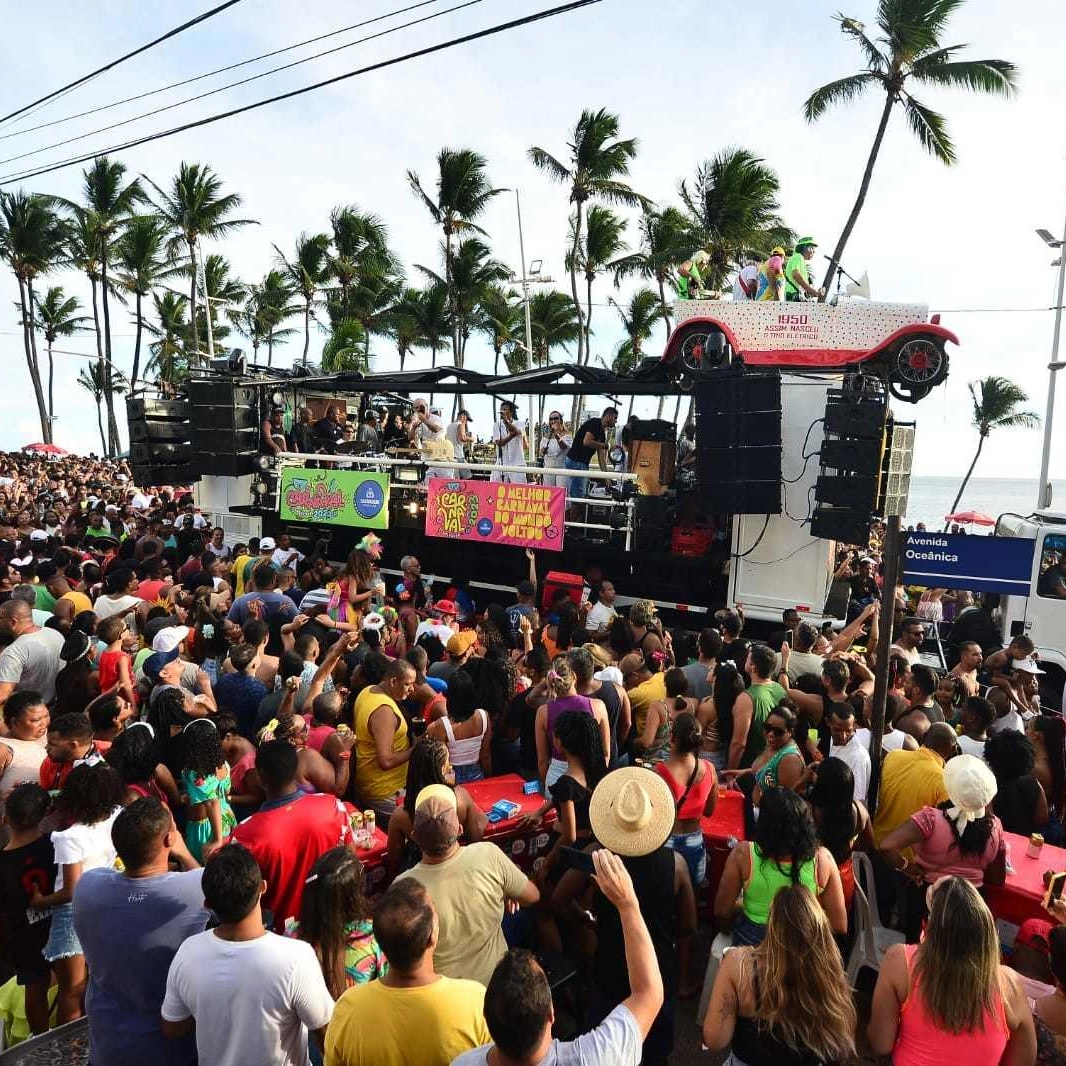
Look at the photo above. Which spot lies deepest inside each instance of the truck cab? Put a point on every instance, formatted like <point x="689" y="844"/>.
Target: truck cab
<point x="1041" y="613"/>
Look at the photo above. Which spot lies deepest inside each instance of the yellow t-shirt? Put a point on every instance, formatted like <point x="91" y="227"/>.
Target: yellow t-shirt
<point x="79" y="599"/>
<point x="240" y="564"/>
<point x="642" y="696"/>
<point x="910" y="780"/>
<point x="468" y="891"/>
<point x="429" y="1025"/>
<point x="371" y="782"/>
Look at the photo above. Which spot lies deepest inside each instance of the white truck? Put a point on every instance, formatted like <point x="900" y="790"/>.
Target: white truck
<point x="1041" y="613"/>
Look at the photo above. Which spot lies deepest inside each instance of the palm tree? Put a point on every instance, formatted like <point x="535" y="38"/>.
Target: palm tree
<point x="666" y="239"/>
<point x="733" y="209"/>
<point x="597" y="164"/>
<point x="473" y="271"/>
<point x="555" y="320"/>
<point x="169" y="359"/>
<point x="31" y="243"/>
<point x="195" y="208"/>
<point x="908" y="49"/>
<point x="220" y="291"/>
<point x="57" y="315"/>
<point x="92" y="379"/>
<point x="638" y="317"/>
<point x="370" y="302"/>
<point x="306" y="273"/>
<point x="345" y="349"/>
<point x="463" y="193"/>
<point x="403" y="324"/>
<point x="266" y="306"/>
<point x="108" y="204"/>
<point x="502" y="318"/>
<point x="995" y="406"/>
<point x="83" y="253"/>
<point x="141" y="266"/>
<point x="431" y="312"/>
<point x="603" y="243"/>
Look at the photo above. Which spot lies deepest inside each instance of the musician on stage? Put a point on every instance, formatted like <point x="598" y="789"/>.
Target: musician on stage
<point x="329" y="431"/>
<point x="554" y="449"/>
<point x="589" y="440"/>
<point x="509" y="436"/>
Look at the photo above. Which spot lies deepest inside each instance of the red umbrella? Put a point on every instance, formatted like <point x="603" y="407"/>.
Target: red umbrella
<point x="970" y="518"/>
<point x="45" y="449"/>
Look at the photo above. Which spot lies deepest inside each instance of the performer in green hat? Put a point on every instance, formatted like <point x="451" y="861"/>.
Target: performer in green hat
<point x="797" y="278"/>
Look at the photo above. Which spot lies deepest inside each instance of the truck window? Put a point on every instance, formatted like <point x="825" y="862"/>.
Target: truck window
<point x="1051" y="584"/>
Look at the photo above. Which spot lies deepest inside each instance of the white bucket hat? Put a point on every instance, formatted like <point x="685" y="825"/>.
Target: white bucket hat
<point x="971" y="787"/>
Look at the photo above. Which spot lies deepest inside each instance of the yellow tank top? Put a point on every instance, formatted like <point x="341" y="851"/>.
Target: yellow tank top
<point x="371" y="782"/>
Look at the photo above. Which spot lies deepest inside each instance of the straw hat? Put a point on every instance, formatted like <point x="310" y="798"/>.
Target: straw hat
<point x="632" y="811"/>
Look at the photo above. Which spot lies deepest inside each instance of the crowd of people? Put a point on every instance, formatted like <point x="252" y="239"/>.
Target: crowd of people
<point x="199" y="737"/>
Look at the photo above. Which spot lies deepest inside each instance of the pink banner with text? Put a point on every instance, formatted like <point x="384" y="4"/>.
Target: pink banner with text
<point x="527" y="516"/>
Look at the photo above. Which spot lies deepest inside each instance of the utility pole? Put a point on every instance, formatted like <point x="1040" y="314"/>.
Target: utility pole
<point x="1043" y="498"/>
<point x="891" y="561"/>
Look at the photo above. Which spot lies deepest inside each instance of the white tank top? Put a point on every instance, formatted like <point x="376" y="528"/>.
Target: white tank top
<point x="25" y="765"/>
<point x="466" y="752"/>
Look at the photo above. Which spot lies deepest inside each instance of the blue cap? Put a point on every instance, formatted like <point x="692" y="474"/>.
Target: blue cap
<point x="156" y="661"/>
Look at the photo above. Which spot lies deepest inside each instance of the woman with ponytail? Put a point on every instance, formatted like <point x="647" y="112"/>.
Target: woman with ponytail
<point x="655" y="740"/>
<point x="694" y="786"/>
<point x="563" y="698"/>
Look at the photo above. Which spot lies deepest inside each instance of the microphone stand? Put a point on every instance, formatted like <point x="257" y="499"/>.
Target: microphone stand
<point x="839" y="270"/>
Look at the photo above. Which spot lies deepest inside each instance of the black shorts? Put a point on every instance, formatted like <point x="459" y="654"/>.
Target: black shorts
<point x="25" y="953"/>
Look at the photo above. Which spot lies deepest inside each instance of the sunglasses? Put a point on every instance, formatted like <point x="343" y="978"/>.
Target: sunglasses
<point x="775" y="730"/>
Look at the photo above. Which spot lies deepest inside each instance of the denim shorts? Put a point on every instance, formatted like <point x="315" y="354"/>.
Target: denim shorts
<point x="691" y="848"/>
<point x="468" y="772"/>
<point x="63" y="942"/>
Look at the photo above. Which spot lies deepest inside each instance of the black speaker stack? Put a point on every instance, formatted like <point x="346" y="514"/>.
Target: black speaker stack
<point x="653" y="522"/>
<point x="160" y="441"/>
<point x="847" y="490"/>
<point x="225" y="420"/>
<point x="738" y="442"/>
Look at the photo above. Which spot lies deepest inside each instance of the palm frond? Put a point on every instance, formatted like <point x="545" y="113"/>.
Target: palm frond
<point x="842" y="91"/>
<point x="551" y="166"/>
<point x="876" y="60"/>
<point x="996" y="77"/>
<point x="930" y="128"/>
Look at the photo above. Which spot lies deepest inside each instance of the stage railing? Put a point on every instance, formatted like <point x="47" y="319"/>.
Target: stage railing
<point x="460" y="468"/>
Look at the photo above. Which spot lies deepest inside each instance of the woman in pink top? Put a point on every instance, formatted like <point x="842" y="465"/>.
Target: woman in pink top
<point x="960" y="838"/>
<point x="948" y="1000"/>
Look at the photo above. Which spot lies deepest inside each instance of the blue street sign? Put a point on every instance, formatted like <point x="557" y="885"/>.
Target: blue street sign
<point x="962" y="561"/>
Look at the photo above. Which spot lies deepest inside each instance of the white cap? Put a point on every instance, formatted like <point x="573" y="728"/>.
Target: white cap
<point x="168" y="639"/>
<point x="38" y="534"/>
<point x="1027" y="666"/>
<point x="267" y="544"/>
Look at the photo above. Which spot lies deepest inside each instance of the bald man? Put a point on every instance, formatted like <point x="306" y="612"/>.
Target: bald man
<point x="31" y="660"/>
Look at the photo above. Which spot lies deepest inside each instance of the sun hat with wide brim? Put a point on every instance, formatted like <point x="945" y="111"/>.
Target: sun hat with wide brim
<point x="632" y="811"/>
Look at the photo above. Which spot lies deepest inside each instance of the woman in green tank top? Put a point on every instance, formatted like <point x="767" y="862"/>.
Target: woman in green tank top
<point x="781" y="764"/>
<point x="785" y="851"/>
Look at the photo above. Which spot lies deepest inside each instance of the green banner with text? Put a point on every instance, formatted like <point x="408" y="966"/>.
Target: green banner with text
<point x="336" y="497"/>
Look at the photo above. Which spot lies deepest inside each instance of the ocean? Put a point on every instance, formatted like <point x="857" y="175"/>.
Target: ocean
<point x="931" y="497"/>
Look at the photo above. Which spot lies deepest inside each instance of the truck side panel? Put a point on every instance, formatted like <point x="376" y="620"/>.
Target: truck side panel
<point x="789" y="567"/>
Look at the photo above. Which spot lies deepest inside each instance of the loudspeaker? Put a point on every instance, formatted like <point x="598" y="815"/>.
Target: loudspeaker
<point x="740" y="497"/>
<point x="144" y="407"/>
<point x="182" y="474"/>
<point x="845" y="524"/>
<point x="844" y="490"/>
<point x="653" y="429"/>
<point x="225" y="418"/>
<point x="857" y="456"/>
<point x="154" y="454"/>
<point x="211" y="392"/>
<point x="856" y="415"/>
<point x="896" y="470"/>
<point x="224" y="464"/>
<point x="163" y="432"/>
<point x="653" y="517"/>
<point x="653" y="463"/>
<point x="738" y="435"/>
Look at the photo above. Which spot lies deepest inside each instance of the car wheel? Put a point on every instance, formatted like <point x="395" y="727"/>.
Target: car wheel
<point x="919" y="364"/>
<point x="690" y="351"/>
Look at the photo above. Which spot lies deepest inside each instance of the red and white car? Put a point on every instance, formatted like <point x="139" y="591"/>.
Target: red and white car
<point x="899" y="343"/>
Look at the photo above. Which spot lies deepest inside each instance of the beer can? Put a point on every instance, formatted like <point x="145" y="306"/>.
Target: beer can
<point x="370" y="824"/>
<point x="1036" y="845"/>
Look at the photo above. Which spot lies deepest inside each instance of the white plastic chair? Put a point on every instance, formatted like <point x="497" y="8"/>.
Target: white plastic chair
<point x="722" y="943"/>
<point x="872" y="939"/>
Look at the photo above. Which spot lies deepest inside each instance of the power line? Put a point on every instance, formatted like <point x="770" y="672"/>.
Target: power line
<point x="219" y="70"/>
<point x="490" y="31"/>
<point x="245" y="81"/>
<point x="122" y="59"/>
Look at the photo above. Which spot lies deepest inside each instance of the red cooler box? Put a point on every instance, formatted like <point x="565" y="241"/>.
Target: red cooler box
<point x="556" y="579"/>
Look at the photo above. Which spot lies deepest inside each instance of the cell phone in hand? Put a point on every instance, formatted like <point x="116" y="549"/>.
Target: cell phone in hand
<point x="1054" y="889"/>
<point x="576" y="859"/>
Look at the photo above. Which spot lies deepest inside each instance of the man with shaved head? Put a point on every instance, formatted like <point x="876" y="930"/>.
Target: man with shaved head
<point x="31" y="659"/>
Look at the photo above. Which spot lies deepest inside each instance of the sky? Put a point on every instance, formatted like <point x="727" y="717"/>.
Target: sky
<point x="687" y="78"/>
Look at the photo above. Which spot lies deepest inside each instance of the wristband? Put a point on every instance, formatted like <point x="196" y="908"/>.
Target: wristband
<point x="345" y="755"/>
